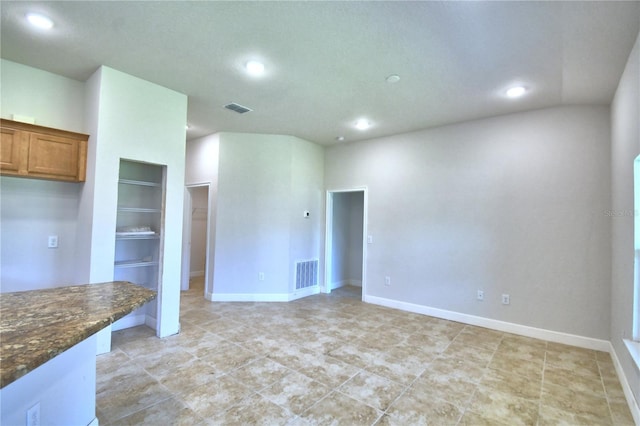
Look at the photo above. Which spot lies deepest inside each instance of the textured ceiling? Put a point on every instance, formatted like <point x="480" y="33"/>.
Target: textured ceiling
<point x="326" y="62"/>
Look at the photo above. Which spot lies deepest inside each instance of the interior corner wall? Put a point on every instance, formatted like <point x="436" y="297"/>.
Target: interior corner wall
<point x="512" y="204"/>
<point x="135" y="120"/>
<point x="625" y="141"/>
<point x="265" y="182"/>
<point x="33" y="209"/>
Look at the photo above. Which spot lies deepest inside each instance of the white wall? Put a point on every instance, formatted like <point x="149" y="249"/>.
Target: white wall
<point x="511" y="204"/>
<point x="30" y="209"/>
<point x="625" y="140"/>
<point x="265" y="184"/>
<point x="53" y="100"/>
<point x="136" y="120"/>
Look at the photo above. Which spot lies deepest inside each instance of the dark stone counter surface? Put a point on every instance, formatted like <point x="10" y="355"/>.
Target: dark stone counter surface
<point x="37" y="325"/>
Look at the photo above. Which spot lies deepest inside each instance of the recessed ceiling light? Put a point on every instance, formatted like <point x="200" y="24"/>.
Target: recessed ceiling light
<point x="254" y="68"/>
<point x="363" y="124"/>
<point x="516" y="91"/>
<point x="393" y="78"/>
<point x="40" y="21"/>
<point x="340" y="138"/>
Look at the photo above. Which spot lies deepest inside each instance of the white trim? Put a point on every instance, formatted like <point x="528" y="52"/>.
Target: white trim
<point x="194" y="274"/>
<point x="94" y="422"/>
<point x="186" y="236"/>
<point x="264" y="297"/>
<point x="249" y="297"/>
<point x="508" y="327"/>
<point x="131" y="320"/>
<point x="326" y="286"/>
<point x="634" y="350"/>
<point x="338" y="284"/>
<point x="304" y="292"/>
<point x="628" y="393"/>
<point x="150" y="321"/>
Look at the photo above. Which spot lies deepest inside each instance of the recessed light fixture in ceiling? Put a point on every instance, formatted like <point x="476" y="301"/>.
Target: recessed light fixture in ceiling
<point x="40" y="21"/>
<point x="516" y="91"/>
<point x="363" y="124"/>
<point x="393" y="78"/>
<point x="254" y="68"/>
<point x="340" y="138"/>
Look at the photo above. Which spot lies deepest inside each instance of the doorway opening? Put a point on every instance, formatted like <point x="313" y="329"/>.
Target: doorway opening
<point x="346" y="242"/>
<point x="195" y="239"/>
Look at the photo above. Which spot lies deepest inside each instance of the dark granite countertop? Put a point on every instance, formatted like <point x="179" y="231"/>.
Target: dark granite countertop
<point x="37" y="325"/>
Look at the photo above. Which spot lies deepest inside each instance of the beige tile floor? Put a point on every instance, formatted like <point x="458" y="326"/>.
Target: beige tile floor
<point x="333" y="360"/>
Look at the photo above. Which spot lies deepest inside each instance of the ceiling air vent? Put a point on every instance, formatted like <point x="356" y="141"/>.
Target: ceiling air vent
<point x="237" y="108"/>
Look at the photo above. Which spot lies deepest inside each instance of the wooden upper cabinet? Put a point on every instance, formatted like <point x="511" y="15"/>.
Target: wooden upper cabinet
<point x="41" y="152"/>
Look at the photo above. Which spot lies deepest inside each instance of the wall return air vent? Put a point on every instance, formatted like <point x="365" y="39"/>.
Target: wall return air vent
<point x="237" y="108"/>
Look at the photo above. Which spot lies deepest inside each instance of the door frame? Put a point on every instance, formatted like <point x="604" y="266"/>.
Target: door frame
<point x="328" y="247"/>
<point x="186" y="237"/>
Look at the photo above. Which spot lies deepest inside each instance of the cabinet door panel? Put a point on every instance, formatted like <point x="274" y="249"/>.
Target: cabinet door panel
<point x="52" y="156"/>
<point x="10" y="148"/>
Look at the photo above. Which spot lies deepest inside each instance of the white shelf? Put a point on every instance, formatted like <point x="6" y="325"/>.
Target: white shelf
<point x="138" y="210"/>
<point x="135" y="263"/>
<point x="135" y="236"/>
<point x="139" y="183"/>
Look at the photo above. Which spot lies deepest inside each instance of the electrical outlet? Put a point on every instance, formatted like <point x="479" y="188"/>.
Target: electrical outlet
<point x="261" y="276"/>
<point x="506" y="299"/>
<point x="53" y="241"/>
<point x="369" y="239"/>
<point x="480" y="295"/>
<point x="387" y="281"/>
<point x="33" y="415"/>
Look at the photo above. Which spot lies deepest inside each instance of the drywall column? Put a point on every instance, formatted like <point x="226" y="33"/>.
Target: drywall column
<point x="136" y="120"/>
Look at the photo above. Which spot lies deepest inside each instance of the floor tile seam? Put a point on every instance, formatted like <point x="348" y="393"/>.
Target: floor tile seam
<point x="270" y="384"/>
<point x="290" y="413"/>
<point x="542" y="394"/>
<point x="226" y="372"/>
<point x="374" y="374"/>
<point x="606" y="394"/>
<point x="337" y="390"/>
<point x="171" y="395"/>
<point x="522" y="376"/>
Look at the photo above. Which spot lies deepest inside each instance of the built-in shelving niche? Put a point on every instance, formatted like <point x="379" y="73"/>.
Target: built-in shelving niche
<point x="139" y="234"/>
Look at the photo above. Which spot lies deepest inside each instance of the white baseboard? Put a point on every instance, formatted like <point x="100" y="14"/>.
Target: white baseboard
<point x="309" y="291"/>
<point x="249" y="297"/>
<point x="151" y="322"/>
<point x="522" y="330"/>
<point x="194" y="274"/>
<point x="626" y="387"/>
<point x="131" y="320"/>
<point x="338" y="284"/>
<point x="265" y="297"/>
